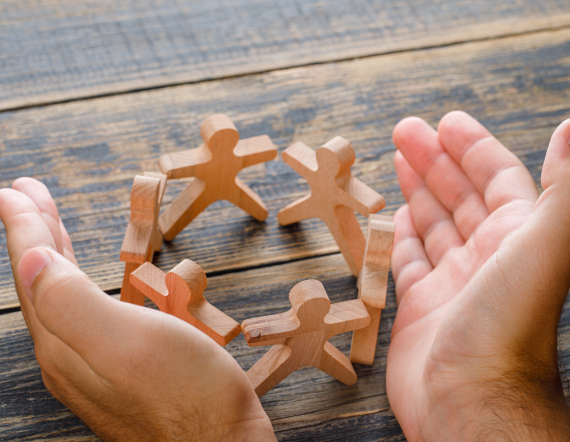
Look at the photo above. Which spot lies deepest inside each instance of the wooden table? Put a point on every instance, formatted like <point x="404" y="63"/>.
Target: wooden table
<point x="91" y="93"/>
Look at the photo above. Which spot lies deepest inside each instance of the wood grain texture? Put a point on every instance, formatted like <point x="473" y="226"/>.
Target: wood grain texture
<point x="55" y="51"/>
<point x="308" y="405"/>
<point x="372" y="285"/>
<point x="214" y="166"/>
<point x="142" y="237"/>
<point x="88" y="152"/>
<point x="180" y="293"/>
<point x="299" y="337"/>
<point x="334" y="195"/>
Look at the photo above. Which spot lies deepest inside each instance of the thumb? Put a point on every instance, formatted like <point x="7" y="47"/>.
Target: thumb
<point x="71" y="306"/>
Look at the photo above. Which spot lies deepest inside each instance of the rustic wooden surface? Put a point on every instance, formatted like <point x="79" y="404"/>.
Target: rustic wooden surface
<point x="88" y="152"/>
<point x="308" y="405"/>
<point x="505" y="62"/>
<point x="57" y="51"/>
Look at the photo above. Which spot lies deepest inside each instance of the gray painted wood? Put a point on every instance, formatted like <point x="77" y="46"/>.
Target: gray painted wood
<point x="88" y="152"/>
<point x="57" y="51"/>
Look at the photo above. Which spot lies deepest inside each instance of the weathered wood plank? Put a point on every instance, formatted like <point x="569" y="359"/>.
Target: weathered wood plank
<point x="88" y="152"/>
<point x="308" y="405"/>
<point x="55" y="51"/>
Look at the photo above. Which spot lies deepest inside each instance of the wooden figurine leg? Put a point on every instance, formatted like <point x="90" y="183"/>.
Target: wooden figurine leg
<point x="363" y="348"/>
<point x="296" y="211"/>
<point x="349" y="237"/>
<point x="272" y="368"/>
<point x="187" y="206"/>
<point x="334" y="363"/>
<point x="246" y="199"/>
<point x="157" y="242"/>
<point x="128" y="292"/>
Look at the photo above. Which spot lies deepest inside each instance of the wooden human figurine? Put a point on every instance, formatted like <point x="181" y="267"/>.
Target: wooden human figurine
<point x="180" y="293"/>
<point x="299" y="337"/>
<point x="142" y="238"/>
<point x="335" y="195"/>
<point x="373" y="283"/>
<point x="214" y="166"/>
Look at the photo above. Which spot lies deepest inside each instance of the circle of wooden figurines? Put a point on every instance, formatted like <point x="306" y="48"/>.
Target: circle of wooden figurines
<point x="299" y="337"/>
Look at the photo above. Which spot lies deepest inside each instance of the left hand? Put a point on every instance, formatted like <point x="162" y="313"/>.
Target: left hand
<point x="129" y="372"/>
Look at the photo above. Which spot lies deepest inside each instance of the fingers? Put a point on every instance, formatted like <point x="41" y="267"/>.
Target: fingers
<point x="41" y="197"/>
<point x="516" y="298"/>
<point x="495" y="171"/>
<point x="67" y="303"/>
<point x="67" y="245"/>
<point x="25" y="229"/>
<point x="420" y="145"/>
<point x="24" y="223"/>
<point x="73" y="308"/>
<point x="557" y="155"/>
<point x="409" y="260"/>
<point x="433" y="222"/>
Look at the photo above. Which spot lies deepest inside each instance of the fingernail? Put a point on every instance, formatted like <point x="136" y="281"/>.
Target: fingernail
<point x="31" y="265"/>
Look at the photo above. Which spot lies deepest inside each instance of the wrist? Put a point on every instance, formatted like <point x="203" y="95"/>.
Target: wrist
<point x="501" y="410"/>
<point x="252" y="430"/>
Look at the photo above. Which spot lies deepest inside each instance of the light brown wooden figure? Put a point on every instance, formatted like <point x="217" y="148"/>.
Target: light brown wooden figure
<point x="157" y="236"/>
<point x="299" y="337"/>
<point x="214" y="166"/>
<point x="373" y="283"/>
<point x="142" y="238"/>
<point x="180" y="293"/>
<point x="335" y="195"/>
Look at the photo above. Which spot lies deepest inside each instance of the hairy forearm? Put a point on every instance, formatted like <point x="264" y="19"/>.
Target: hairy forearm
<point x="509" y="408"/>
<point x="538" y="421"/>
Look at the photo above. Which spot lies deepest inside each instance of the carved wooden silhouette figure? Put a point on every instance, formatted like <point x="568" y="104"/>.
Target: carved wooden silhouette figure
<point x="180" y="293"/>
<point x="142" y="238"/>
<point x="299" y="337"/>
<point x="335" y="195"/>
<point x="214" y="166"/>
<point x="373" y="283"/>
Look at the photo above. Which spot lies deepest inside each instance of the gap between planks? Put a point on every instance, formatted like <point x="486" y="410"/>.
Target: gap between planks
<point x="55" y="98"/>
<point x="15" y="306"/>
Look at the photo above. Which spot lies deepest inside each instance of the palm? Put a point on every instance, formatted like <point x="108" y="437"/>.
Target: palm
<point x="459" y="210"/>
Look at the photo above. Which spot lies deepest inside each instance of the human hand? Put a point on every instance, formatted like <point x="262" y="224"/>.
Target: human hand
<point x="481" y="266"/>
<point x="130" y="373"/>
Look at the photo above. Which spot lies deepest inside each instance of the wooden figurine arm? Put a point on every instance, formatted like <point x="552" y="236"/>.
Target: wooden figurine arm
<point x="183" y="164"/>
<point x="374" y="275"/>
<point x="136" y="251"/>
<point x="150" y="280"/>
<point x="219" y="326"/>
<point x="301" y="158"/>
<point x="162" y="187"/>
<point x="142" y="221"/>
<point x="362" y="198"/>
<point x="270" y="330"/>
<point x="255" y="150"/>
<point x="373" y="286"/>
<point x="346" y="316"/>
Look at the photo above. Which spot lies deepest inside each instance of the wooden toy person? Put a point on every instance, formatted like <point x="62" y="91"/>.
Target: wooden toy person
<point x="142" y="238"/>
<point x="214" y="166"/>
<point x="373" y="283"/>
<point x="180" y="293"/>
<point x="335" y="195"/>
<point x="299" y="337"/>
